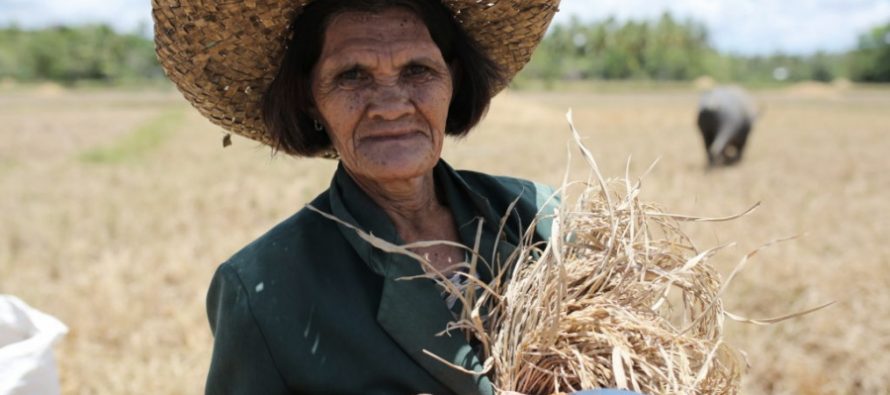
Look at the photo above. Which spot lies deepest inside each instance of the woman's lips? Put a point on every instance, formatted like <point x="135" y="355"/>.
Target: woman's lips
<point x="392" y="136"/>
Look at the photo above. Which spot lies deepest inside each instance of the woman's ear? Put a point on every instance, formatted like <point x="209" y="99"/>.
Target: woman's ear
<point x="313" y="113"/>
<point x="311" y="107"/>
<point x="456" y="75"/>
<point x="311" y="110"/>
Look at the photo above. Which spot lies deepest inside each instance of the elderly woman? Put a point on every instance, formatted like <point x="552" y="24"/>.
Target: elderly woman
<point x="311" y="307"/>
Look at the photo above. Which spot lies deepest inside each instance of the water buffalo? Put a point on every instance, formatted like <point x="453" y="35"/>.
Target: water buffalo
<point x="725" y="117"/>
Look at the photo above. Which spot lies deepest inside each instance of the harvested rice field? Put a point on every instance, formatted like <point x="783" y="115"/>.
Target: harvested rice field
<point x="118" y="205"/>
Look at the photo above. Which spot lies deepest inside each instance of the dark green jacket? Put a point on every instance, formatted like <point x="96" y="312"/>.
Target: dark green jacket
<point x="311" y="308"/>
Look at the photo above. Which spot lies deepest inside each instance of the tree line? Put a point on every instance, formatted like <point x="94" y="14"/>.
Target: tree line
<point x="664" y="49"/>
<point x="679" y="50"/>
<point x="73" y="54"/>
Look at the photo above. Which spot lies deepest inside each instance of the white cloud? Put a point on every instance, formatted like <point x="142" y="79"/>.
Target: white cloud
<point x="123" y="15"/>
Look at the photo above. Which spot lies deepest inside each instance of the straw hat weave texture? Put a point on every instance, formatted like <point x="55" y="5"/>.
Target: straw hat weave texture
<point x="223" y="54"/>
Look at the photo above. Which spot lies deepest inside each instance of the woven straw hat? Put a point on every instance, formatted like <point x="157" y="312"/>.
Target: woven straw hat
<point x="223" y="55"/>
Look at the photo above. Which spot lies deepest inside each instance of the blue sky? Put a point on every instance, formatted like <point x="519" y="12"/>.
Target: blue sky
<point x="740" y="26"/>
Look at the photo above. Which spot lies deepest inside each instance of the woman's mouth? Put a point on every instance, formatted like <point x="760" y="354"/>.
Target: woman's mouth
<point x="393" y="136"/>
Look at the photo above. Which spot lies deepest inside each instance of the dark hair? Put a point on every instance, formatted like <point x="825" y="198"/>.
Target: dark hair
<point x="286" y="102"/>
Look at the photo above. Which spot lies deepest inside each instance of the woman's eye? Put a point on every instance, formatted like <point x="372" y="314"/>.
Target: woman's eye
<point x="416" y="70"/>
<point x="353" y="74"/>
<point x="351" y="77"/>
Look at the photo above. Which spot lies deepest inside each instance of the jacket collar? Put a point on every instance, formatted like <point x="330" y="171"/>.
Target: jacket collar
<point x="413" y="311"/>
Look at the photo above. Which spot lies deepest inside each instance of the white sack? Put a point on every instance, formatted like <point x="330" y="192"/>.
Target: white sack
<point x="26" y="355"/>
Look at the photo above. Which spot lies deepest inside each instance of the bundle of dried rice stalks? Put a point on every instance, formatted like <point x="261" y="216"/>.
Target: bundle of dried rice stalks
<point x="595" y="309"/>
<point x="618" y="298"/>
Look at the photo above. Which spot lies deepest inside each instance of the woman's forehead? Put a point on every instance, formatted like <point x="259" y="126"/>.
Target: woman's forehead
<point x="393" y="29"/>
<point x="390" y="23"/>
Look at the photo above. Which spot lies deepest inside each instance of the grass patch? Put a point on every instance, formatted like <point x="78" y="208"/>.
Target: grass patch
<point x="7" y="164"/>
<point x="136" y="144"/>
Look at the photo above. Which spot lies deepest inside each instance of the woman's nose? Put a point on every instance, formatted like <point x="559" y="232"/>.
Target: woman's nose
<point x="391" y="102"/>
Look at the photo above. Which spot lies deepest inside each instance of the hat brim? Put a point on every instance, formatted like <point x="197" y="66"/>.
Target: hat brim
<point x="222" y="55"/>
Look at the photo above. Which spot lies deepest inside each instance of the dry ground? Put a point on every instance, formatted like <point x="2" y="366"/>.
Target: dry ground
<point x="117" y="206"/>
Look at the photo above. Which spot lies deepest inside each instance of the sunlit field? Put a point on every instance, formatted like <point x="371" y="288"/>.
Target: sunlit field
<point x="118" y="205"/>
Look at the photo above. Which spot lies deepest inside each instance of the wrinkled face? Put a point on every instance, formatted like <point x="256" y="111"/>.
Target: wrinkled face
<point x="382" y="91"/>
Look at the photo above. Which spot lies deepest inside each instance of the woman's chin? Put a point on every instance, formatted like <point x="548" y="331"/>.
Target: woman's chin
<point x="394" y="161"/>
<point x="398" y="169"/>
<point x="395" y="166"/>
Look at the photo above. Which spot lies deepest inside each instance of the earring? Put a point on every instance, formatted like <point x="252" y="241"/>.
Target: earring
<point x="331" y="154"/>
<point x="317" y="125"/>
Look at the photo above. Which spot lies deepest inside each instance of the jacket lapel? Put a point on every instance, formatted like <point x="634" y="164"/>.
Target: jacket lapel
<point x="468" y="207"/>
<point x="412" y="312"/>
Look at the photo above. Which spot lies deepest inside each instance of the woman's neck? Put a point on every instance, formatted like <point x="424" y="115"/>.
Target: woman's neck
<point x="407" y="202"/>
<point x="418" y="214"/>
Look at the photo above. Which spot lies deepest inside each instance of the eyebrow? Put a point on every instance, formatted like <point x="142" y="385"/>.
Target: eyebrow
<point x="339" y="63"/>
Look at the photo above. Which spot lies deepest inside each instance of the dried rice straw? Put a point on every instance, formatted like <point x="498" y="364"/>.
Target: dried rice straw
<point x="618" y="298"/>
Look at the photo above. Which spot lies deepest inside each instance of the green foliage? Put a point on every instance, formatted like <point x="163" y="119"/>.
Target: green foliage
<point x="70" y="54"/>
<point x="668" y="49"/>
<point x="662" y="50"/>
<point x="870" y="62"/>
<point x="137" y="143"/>
<point x="781" y="68"/>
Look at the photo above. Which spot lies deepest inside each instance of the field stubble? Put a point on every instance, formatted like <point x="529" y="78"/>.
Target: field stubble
<point x="123" y="251"/>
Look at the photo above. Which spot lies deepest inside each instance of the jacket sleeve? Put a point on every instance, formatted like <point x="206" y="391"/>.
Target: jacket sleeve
<point x="241" y="362"/>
